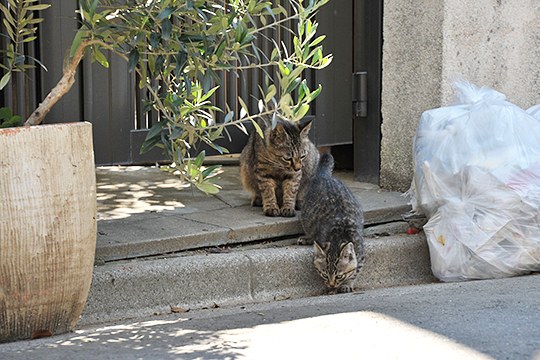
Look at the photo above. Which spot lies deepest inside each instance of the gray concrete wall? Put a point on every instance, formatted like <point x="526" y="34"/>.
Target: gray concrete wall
<point x="411" y="69"/>
<point x="428" y="44"/>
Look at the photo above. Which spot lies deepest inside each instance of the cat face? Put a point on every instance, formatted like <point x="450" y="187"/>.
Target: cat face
<point x="286" y="142"/>
<point x="335" y="266"/>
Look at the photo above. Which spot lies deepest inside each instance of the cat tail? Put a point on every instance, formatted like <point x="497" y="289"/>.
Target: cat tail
<point x="326" y="164"/>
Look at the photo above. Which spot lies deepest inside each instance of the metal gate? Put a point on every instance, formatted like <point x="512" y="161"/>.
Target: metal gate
<point x="110" y="99"/>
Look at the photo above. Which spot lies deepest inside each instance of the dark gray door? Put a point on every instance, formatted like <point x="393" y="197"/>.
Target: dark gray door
<point x="354" y="33"/>
<point x="333" y="124"/>
<point x="368" y="60"/>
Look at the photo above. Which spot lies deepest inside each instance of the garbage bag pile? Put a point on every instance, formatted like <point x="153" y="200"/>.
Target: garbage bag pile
<point x="477" y="180"/>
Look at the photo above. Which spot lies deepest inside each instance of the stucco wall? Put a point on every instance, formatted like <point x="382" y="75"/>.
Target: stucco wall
<point x="428" y="44"/>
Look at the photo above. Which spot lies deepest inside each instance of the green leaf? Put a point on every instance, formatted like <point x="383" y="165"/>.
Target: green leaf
<point x="7" y="119"/>
<point x="293" y="85"/>
<point x="228" y="117"/>
<point x="149" y="144"/>
<point x="220" y="49"/>
<point x="155" y="38"/>
<point x="100" y="57"/>
<point x="176" y="133"/>
<point x="303" y="90"/>
<point x="9" y="29"/>
<point x="209" y="93"/>
<point x="38" y="7"/>
<point x="77" y="41"/>
<point x="93" y="8"/>
<point x="242" y="127"/>
<point x="314" y="94"/>
<point x="166" y="28"/>
<point x="7" y="15"/>
<point x="5" y="113"/>
<point x="301" y="111"/>
<point x="29" y="39"/>
<point x="165" y="13"/>
<point x="317" y="55"/>
<point x="218" y="148"/>
<point x="270" y="93"/>
<point x="284" y="70"/>
<point x="207" y="187"/>
<point x="317" y="40"/>
<point x="276" y="54"/>
<point x="326" y="61"/>
<point x="211" y="170"/>
<point x="257" y="128"/>
<point x="5" y="79"/>
<point x="245" y="109"/>
<point x="12" y="122"/>
<point x="295" y="73"/>
<point x="199" y="159"/>
<point x="207" y="81"/>
<point x="133" y="59"/>
<point x="153" y="137"/>
<point x="159" y="63"/>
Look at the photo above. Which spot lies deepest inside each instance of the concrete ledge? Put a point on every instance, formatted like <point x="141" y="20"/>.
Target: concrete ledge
<point x="142" y="287"/>
<point x="396" y="260"/>
<point x="155" y="234"/>
<point x="144" y="212"/>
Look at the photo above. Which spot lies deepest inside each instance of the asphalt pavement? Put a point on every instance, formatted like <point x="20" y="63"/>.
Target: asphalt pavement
<point x="488" y="319"/>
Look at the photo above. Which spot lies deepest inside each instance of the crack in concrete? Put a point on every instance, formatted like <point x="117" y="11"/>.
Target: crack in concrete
<point x="223" y="200"/>
<point x="207" y="223"/>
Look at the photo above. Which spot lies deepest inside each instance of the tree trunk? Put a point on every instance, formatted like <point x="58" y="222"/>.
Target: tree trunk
<point x="61" y="88"/>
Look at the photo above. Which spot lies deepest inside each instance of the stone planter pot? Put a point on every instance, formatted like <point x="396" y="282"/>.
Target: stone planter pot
<point x="47" y="228"/>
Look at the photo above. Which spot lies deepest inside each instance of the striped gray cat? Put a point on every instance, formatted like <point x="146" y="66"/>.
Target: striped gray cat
<point x="333" y="221"/>
<point x="277" y="168"/>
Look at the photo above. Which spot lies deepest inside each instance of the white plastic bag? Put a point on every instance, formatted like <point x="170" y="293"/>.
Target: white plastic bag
<point x="534" y="112"/>
<point x="477" y="179"/>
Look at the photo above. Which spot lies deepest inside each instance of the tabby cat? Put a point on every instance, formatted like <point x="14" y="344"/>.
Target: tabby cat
<point x="333" y="221"/>
<point x="276" y="169"/>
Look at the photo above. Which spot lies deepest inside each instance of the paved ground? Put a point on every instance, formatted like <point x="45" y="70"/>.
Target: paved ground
<point x="142" y="215"/>
<point x="490" y="319"/>
<point x="143" y="211"/>
<point x="161" y="245"/>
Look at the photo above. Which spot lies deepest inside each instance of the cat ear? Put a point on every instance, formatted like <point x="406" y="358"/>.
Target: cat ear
<point x="347" y="251"/>
<point x="321" y="249"/>
<point x="305" y="127"/>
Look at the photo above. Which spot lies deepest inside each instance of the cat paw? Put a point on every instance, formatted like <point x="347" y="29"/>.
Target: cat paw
<point x="288" y="212"/>
<point x="304" y="240"/>
<point x="345" y="289"/>
<point x="272" y="211"/>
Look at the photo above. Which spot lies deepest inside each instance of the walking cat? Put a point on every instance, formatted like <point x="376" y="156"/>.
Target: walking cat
<point x="276" y="169"/>
<point x="333" y="221"/>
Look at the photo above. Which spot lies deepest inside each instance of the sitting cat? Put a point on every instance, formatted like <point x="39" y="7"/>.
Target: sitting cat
<point x="276" y="169"/>
<point x="333" y="221"/>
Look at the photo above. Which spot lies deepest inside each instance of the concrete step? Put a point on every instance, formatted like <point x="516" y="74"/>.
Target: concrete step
<point x="142" y="213"/>
<point x="161" y="247"/>
<point x="195" y="280"/>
